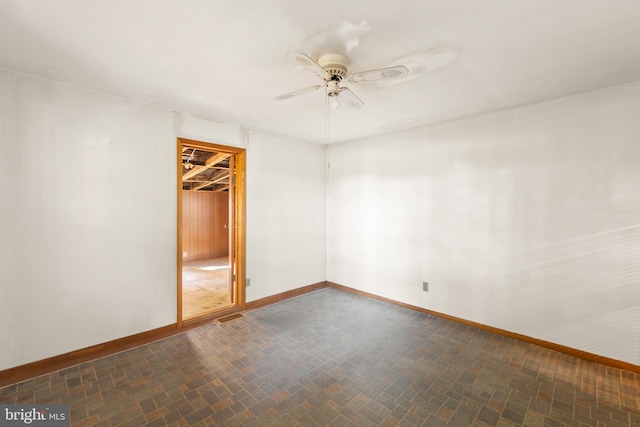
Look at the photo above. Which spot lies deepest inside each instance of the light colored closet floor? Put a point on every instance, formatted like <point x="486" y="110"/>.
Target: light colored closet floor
<point x="205" y="286"/>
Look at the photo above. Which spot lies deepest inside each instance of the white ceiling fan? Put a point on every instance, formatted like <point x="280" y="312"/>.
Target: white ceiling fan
<point x="333" y="69"/>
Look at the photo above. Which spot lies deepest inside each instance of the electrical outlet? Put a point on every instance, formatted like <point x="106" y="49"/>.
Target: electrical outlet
<point x="184" y="254"/>
<point x="425" y="286"/>
<point x="248" y="282"/>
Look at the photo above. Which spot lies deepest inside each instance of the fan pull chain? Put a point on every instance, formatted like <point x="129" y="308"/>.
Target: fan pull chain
<point x="326" y="117"/>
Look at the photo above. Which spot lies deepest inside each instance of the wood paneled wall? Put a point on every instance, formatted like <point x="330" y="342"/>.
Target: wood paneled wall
<point x="204" y="217"/>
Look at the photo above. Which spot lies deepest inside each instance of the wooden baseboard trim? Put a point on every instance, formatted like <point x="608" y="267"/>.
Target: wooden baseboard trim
<point x="52" y="364"/>
<point x="41" y="367"/>
<point x="262" y="302"/>
<point x="584" y="355"/>
<point x="56" y="363"/>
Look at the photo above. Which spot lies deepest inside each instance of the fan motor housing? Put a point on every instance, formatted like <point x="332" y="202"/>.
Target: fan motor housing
<point x="335" y="64"/>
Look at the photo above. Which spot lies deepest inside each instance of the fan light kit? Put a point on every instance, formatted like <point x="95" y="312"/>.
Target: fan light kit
<point x="333" y="69"/>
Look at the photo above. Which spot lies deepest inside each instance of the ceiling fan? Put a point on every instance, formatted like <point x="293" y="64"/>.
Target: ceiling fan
<point x="333" y="69"/>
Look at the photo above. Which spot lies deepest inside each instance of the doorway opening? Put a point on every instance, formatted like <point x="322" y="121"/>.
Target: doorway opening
<point x="211" y="197"/>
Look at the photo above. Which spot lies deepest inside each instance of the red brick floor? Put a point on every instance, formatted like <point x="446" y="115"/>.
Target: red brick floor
<point x="331" y="358"/>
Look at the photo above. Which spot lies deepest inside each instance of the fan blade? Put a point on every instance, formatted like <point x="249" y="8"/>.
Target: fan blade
<point x="297" y="92"/>
<point x="350" y="99"/>
<point x="311" y="65"/>
<point x="389" y="73"/>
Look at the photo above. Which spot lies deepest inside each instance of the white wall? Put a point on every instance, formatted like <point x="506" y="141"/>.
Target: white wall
<point x="92" y="251"/>
<point x="88" y="216"/>
<point x="286" y="214"/>
<point x="526" y="220"/>
<point x="8" y="234"/>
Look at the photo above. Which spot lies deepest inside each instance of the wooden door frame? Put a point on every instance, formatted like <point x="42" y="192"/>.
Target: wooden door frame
<point x="239" y="225"/>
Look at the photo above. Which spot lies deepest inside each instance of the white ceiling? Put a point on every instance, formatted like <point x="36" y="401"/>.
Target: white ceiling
<point x="226" y="59"/>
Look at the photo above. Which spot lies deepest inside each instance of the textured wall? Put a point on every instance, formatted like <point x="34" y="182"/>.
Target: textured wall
<point x="88" y="249"/>
<point x="92" y="249"/>
<point x="287" y="187"/>
<point x="526" y="219"/>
